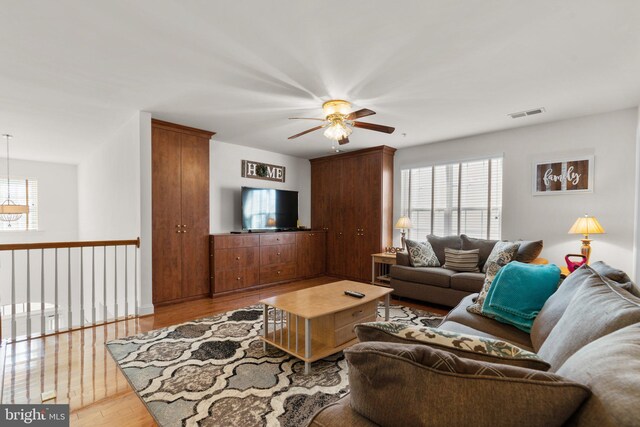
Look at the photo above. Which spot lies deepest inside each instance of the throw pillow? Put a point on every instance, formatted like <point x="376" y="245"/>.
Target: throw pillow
<point x="440" y="243"/>
<point x="476" y="307"/>
<point x="421" y="254"/>
<point x="597" y="308"/>
<point x="519" y="292"/>
<point x="528" y="250"/>
<point x="459" y="260"/>
<point x="609" y="366"/>
<point x="483" y="245"/>
<point x="410" y="385"/>
<point x="501" y="254"/>
<point x="463" y="345"/>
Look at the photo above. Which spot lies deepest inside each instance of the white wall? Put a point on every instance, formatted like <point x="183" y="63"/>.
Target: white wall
<point x="57" y="202"/>
<point x="636" y="238"/>
<point x="114" y="194"/>
<point x="225" y="167"/>
<point x="610" y="137"/>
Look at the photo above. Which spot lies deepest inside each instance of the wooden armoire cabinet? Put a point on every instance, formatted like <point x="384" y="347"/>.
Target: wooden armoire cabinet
<point x="352" y="200"/>
<point x="180" y="212"/>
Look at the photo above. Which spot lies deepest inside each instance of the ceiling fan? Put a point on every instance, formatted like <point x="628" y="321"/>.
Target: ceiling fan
<point x="339" y="121"/>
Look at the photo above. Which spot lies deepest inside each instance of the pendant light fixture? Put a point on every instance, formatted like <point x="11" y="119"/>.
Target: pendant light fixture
<point x="9" y="210"/>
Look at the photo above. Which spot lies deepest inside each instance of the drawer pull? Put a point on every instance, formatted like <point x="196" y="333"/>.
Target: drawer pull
<point x="355" y="313"/>
<point x="237" y="278"/>
<point x="278" y="254"/>
<point x="278" y="271"/>
<point x="237" y="258"/>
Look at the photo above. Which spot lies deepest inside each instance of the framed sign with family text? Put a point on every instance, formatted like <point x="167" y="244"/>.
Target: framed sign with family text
<point x="563" y="176"/>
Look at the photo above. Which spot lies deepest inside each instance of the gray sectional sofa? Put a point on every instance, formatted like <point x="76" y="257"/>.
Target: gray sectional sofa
<point x="588" y="332"/>
<point x="447" y="287"/>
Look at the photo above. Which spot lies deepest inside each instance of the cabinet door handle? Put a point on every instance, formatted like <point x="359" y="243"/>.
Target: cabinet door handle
<point x="278" y="271"/>
<point x="237" y="258"/>
<point x="278" y="254"/>
<point x="238" y="278"/>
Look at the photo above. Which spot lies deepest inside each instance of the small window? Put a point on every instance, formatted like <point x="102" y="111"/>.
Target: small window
<point x="23" y="192"/>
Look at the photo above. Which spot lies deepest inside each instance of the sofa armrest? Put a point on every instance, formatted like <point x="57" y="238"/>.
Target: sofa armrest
<point x="402" y="258"/>
<point x="339" y="414"/>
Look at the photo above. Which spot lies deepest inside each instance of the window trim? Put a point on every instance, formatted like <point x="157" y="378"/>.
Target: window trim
<point x="36" y="198"/>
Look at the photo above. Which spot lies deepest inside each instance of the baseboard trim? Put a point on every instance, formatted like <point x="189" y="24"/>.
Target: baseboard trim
<point x="145" y="310"/>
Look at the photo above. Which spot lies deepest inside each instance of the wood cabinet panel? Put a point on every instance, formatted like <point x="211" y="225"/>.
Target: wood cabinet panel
<point x="230" y="280"/>
<point x="235" y="241"/>
<point x="236" y="258"/>
<point x="166" y="216"/>
<point x="277" y="254"/>
<point x="195" y="215"/>
<point x="277" y="273"/>
<point x="360" y="208"/>
<point x="277" y="239"/>
<point x="180" y="212"/>
<point x="311" y="253"/>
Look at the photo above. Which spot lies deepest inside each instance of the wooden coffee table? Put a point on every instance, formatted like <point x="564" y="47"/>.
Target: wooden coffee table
<point x="314" y="323"/>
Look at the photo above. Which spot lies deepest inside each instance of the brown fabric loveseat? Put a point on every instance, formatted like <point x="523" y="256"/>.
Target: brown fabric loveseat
<point x="588" y="332"/>
<point x="439" y="285"/>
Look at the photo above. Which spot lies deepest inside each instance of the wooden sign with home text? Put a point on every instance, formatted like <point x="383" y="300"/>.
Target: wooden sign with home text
<point x="258" y="170"/>
<point x="563" y="176"/>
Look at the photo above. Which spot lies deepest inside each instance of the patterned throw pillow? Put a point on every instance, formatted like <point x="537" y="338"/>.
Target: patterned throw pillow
<point x="502" y="254"/>
<point x="463" y="345"/>
<point x="476" y="307"/>
<point x="421" y="254"/>
<point x="459" y="260"/>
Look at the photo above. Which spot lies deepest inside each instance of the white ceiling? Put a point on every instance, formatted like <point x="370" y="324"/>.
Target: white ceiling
<point x="73" y="71"/>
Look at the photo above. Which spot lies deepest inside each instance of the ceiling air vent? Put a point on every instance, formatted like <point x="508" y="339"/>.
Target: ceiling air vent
<point x="526" y="113"/>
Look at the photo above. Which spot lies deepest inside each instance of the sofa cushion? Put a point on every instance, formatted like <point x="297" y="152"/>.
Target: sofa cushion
<point x="555" y="306"/>
<point x="402" y="258"/>
<point x="475" y="324"/>
<point x="459" y="260"/>
<point x="464" y="345"/>
<point x="518" y="293"/>
<point x="476" y="307"/>
<point x="597" y="308"/>
<point x="610" y="367"/>
<point x="439" y="243"/>
<point x="528" y="250"/>
<point x="501" y="254"/>
<point x="339" y="413"/>
<point x="409" y="385"/>
<point x="484" y="247"/>
<point x="421" y="254"/>
<point x="434" y="276"/>
<point x="612" y="273"/>
<point x="468" y="282"/>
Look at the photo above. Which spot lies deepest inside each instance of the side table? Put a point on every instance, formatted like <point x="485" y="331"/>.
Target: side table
<point x="380" y="268"/>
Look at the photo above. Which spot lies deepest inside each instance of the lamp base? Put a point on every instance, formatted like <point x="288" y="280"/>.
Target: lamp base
<point x="585" y="249"/>
<point x="403" y="244"/>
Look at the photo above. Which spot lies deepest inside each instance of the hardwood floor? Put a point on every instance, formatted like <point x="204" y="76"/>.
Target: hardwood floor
<point x="77" y="366"/>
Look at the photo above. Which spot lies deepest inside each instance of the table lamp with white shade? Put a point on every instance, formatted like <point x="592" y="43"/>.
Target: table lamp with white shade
<point x="586" y="225"/>
<point x="404" y="223"/>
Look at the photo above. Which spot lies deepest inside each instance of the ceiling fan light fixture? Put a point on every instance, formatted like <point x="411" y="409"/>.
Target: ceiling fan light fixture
<point x="337" y="130"/>
<point x="336" y="106"/>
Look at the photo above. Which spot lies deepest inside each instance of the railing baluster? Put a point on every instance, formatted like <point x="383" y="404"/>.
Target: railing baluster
<point x="28" y="293"/>
<point x="57" y="301"/>
<point x="135" y="279"/>
<point x="81" y="287"/>
<point x="115" y="283"/>
<point x="93" y="285"/>
<point x="126" y="283"/>
<point x="69" y="313"/>
<point x="43" y="329"/>
<point x="104" y="285"/>
<point x="13" y="295"/>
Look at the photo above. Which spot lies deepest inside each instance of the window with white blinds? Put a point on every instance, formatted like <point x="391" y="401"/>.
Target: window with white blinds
<point x="23" y="192"/>
<point x="455" y="198"/>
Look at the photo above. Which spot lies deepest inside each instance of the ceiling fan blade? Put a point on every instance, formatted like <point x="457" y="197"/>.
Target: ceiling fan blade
<point x="360" y="113"/>
<point x="372" y="126"/>
<point x="305" y="132"/>
<point x="305" y="118"/>
<point x="343" y="141"/>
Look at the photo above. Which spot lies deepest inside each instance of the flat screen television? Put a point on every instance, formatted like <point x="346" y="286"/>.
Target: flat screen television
<point x="269" y="209"/>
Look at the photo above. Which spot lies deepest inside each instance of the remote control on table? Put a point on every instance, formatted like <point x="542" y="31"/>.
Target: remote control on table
<point x="354" y="294"/>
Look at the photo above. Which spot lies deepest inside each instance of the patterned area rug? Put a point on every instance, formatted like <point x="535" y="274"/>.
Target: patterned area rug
<point x="214" y="372"/>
